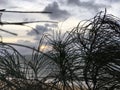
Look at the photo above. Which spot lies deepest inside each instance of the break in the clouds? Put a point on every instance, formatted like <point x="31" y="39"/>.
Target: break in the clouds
<point x="57" y="13"/>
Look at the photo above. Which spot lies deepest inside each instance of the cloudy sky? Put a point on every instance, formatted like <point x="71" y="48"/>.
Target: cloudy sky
<point x="66" y="12"/>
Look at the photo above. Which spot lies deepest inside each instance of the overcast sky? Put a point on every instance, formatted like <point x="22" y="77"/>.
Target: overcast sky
<point x="66" y="12"/>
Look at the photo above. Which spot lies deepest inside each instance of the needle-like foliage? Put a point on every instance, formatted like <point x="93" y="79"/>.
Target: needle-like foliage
<point x="98" y="41"/>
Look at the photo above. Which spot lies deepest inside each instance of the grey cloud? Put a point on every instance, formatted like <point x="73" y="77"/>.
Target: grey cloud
<point x="27" y="43"/>
<point x="30" y="0"/>
<point x="115" y="1"/>
<point x="51" y="25"/>
<point x="3" y="2"/>
<point x="91" y="5"/>
<point x="57" y="13"/>
<point x="7" y="4"/>
<point x="38" y="37"/>
<point x="74" y="2"/>
<point x="13" y="7"/>
<point x="40" y="29"/>
<point x="24" y="50"/>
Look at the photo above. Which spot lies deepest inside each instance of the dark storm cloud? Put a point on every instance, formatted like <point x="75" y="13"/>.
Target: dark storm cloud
<point x="57" y="13"/>
<point x="91" y="5"/>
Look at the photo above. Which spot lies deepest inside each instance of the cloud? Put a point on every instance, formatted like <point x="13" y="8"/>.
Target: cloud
<point x="74" y="2"/>
<point x="41" y="29"/>
<point x="57" y="13"/>
<point x="25" y="42"/>
<point x="113" y="1"/>
<point x="8" y="4"/>
<point x="90" y="5"/>
<point x="24" y="50"/>
<point x="51" y="25"/>
<point x="3" y="2"/>
<point x="30" y="0"/>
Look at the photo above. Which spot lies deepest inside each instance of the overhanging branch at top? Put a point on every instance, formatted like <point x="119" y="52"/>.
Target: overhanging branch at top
<point x="23" y="22"/>
<point x="43" y="12"/>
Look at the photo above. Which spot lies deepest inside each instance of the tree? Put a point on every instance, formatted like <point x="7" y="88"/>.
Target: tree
<point x="63" y="56"/>
<point x="98" y="41"/>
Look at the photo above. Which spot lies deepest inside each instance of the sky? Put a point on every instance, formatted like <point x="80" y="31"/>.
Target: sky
<point x="68" y="13"/>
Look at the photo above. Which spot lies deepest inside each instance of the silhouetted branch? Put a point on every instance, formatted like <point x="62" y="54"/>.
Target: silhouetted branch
<point x="22" y="23"/>
<point x="43" y="12"/>
<point x="8" y="32"/>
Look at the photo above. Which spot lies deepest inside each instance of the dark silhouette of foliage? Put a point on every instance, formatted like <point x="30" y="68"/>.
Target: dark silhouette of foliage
<point x="63" y="57"/>
<point x="86" y="58"/>
<point x="98" y="41"/>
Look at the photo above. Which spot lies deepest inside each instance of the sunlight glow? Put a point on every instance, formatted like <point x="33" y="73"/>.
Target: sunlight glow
<point x="43" y="48"/>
